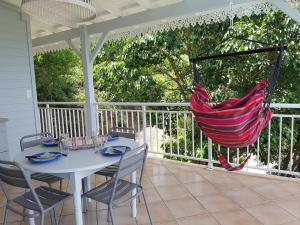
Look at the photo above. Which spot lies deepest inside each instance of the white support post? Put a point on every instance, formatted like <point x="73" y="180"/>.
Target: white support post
<point x="144" y="123"/>
<point x="210" y="164"/>
<point x="90" y="106"/>
<point x="287" y="9"/>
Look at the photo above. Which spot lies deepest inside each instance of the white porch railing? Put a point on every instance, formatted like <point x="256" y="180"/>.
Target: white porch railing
<point x="170" y="131"/>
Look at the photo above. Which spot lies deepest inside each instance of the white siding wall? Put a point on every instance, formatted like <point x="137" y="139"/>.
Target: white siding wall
<point x="17" y="81"/>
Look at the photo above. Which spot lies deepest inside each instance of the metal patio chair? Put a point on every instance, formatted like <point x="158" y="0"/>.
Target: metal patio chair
<point x="130" y="133"/>
<point x="116" y="192"/>
<point x="33" y="140"/>
<point x="40" y="200"/>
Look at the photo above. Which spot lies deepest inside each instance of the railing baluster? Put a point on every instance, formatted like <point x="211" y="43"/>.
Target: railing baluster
<point x="164" y="135"/>
<point x="177" y="133"/>
<point x="193" y="135"/>
<point x="58" y="118"/>
<point x="78" y="122"/>
<point x="55" y="123"/>
<point x="138" y="120"/>
<point x="106" y="121"/>
<point x="185" y="130"/>
<point x="258" y="150"/>
<point x="157" y="127"/>
<point x="127" y="124"/>
<point x="269" y="146"/>
<point x="292" y="145"/>
<point x="279" y="147"/>
<point x="170" y="131"/>
<point x="122" y="122"/>
<point x="111" y="119"/>
<point x="116" y="116"/>
<point x="74" y="122"/>
<point x="150" y="126"/>
<point x="132" y="119"/>
<point x="83" y="122"/>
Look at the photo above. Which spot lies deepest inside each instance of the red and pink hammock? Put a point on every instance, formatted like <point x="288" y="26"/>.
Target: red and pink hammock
<point x="235" y="122"/>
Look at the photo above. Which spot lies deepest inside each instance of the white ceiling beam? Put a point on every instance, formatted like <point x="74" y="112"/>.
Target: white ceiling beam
<point x="287" y="9"/>
<point x="187" y="7"/>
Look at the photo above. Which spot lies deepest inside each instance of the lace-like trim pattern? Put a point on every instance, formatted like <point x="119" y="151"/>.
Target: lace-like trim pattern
<point x="207" y="17"/>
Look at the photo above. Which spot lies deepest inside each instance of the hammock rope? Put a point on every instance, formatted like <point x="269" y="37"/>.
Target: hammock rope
<point x="235" y="122"/>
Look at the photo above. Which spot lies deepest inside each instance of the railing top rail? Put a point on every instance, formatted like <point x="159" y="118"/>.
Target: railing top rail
<point x="143" y="103"/>
<point x="61" y="103"/>
<point x="184" y="104"/>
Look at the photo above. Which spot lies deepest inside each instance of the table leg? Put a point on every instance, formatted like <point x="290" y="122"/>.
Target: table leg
<point x="76" y="189"/>
<point x="133" y="201"/>
<point x="87" y="185"/>
<point x="31" y="220"/>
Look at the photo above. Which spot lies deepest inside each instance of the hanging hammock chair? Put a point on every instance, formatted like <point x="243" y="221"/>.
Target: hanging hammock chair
<point x="235" y="122"/>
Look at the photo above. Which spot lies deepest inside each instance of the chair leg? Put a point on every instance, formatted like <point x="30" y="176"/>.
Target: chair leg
<point x="51" y="217"/>
<point x="111" y="215"/>
<point x="60" y="185"/>
<point x="108" y="214"/>
<point x="54" y="217"/>
<point x="150" y="220"/>
<point x="5" y="216"/>
<point x="42" y="219"/>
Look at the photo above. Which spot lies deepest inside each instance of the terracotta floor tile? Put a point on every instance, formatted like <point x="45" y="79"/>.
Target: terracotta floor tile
<point x="246" y="197"/>
<point x="159" y="213"/>
<point x="251" y="181"/>
<point x="147" y="183"/>
<point x="151" y="195"/>
<point x="292" y="206"/>
<point x="156" y="170"/>
<point x="189" y="177"/>
<point x="217" y="202"/>
<point x="183" y="207"/>
<point x="164" y="180"/>
<point x="292" y="223"/>
<point x="172" y="192"/>
<point x="271" y="191"/>
<point x="235" y="217"/>
<point x="163" y="223"/>
<point x="292" y="187"/>
<point x="270" y="214"/>
<point x="122" y="217"/>
<point x="201" y="188"/>
<point x="204" y="219"/>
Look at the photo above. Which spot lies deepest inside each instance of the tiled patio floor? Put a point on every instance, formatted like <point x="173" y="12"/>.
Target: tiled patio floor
<point x="184" y="194"/>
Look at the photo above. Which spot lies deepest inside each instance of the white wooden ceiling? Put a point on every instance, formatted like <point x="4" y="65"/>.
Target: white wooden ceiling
<point x="106" y="10"/>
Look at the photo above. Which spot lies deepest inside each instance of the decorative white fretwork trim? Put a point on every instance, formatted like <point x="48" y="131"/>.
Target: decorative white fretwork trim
<point x="208" y="17"/>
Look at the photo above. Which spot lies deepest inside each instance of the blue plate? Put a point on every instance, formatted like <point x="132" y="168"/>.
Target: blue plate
<point x="111" y="150"/>
<point x="112" y="137"/>
<point x="50" y="143"/>
<point x="35" y="158"/>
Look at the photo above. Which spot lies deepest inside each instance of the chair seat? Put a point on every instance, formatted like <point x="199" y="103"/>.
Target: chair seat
<point x="103" y="192"/>
<point x="109" y="171"/>
<point x="49" y="198"/>
<point x="47" y="178"/>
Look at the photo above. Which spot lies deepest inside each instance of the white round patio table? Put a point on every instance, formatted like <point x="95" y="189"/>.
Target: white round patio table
<point x="76" y="166"/>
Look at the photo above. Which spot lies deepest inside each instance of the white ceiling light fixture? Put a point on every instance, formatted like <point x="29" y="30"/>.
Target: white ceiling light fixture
<point x="61" y="11"/>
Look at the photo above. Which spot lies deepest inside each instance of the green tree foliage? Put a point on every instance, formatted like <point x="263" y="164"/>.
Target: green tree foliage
<point x="58" y="76"/>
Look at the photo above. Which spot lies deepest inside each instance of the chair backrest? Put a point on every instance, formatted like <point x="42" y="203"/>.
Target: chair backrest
<point x="132" y="160"/>
<point x="12" y="174"/>
<point x="32" y="140"/>
<point x="123" y="132"/>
